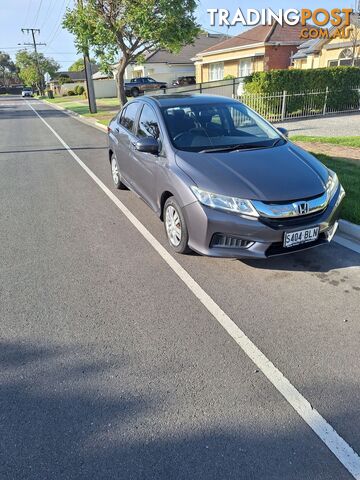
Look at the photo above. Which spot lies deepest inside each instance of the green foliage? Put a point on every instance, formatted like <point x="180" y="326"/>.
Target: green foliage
<point x="26" y="62"/>
<point x="63" y="79"/>
<point x="296" y="80"/>
<point x="229" y="77"/>
<point x="79" y="89"/>
<point x="122" y="30"/>
<point x="71" y="93"/>
<point x="341" y="82"/>
<point x="78" y="65"/>
<point x="8" y="69"/>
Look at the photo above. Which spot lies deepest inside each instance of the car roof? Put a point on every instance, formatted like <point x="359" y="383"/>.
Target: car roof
<point x="177" y="100"/>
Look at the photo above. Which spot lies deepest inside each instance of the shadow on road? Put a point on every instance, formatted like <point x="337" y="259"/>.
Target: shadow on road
<point x="60" y="419"/>
<point x="324" y="258"/>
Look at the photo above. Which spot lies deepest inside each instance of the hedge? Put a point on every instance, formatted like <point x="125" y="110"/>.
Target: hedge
<point x="341" y="82"/>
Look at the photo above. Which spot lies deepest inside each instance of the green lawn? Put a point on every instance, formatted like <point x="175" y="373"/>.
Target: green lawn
<point x="341" y="141"/>
<point x="348" y="172"/>
<point x="107" y="107"/>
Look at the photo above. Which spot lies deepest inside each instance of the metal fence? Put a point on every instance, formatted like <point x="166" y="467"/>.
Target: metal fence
<point x="280" y="106"/>
<point x="284" y="106"/>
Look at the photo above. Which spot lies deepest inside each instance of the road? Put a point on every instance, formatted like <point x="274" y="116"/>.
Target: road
<point x="111" y="366"/>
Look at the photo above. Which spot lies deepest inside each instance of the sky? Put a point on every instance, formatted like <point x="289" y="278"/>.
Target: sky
<point x="47" y="15"/>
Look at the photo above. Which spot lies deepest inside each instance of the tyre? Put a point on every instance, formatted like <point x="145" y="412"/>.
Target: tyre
<point x="175" y="226"/>
<point x="115" y="173"/>
<point x="135" y="92"/>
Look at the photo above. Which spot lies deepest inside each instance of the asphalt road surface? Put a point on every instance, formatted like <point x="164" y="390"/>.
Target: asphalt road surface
<point x="113" y="368"/>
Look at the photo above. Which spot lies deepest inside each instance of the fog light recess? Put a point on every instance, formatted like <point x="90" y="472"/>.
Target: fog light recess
<point x="221" y="240"/>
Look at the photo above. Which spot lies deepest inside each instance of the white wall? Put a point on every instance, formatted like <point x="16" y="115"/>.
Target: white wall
<point x="105" y="88"/>
<point x="160" y="71"/>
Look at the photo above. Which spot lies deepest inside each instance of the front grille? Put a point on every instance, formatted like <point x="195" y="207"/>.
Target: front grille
<point x="278" y="223"/>
<point x="221" y="240"/>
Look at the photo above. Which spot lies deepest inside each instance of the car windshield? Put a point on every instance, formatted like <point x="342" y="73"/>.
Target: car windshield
<point x="216" y="127"/>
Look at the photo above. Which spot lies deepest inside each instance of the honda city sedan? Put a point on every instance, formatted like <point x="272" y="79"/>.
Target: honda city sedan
<point x="224" y="181"/>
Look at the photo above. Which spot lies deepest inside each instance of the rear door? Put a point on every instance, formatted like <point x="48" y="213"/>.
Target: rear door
<point x="145" y="167"/>
<point x="124" y="133"/>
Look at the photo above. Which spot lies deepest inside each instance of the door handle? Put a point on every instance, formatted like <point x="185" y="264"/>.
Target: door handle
<point x="117" y="129"/>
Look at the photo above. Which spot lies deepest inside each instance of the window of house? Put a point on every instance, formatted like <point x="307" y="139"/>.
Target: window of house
<point x="245" y="67"/>
<point x="148" y="123"/>
<point x="216" y="71"/>
<point x="345" y="59"/>
<point x="128" y="116"/>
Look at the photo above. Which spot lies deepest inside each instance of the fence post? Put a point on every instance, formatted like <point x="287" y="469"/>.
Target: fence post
<point x="234" y="89"/>
<point x="283" y="107"/>
<point x="200" y="88"/>
<point x="325" y="101"/>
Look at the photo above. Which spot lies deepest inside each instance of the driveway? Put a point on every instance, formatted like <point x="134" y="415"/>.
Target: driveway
<point x="328" y="126"/>
<point x="121" y="361"/>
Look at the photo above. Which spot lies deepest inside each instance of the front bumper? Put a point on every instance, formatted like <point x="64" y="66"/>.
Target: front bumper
<point x="258" y="237"/>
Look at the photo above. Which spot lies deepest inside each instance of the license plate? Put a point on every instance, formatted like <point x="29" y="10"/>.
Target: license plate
<point x="301" y="236"/>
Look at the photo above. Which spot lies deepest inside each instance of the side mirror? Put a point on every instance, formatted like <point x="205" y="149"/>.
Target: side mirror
<point x="284" y="131"/>
<point x="148" y="145"/>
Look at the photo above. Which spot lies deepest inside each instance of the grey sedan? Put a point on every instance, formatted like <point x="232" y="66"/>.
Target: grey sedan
<point x="223" y="180"/>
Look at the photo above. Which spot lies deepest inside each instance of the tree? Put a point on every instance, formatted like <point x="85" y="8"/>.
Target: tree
<point x="7" y="68"/>
<point x="123" y="30"/>
<point x="78" y="65"/>
<point x="28" y="70"/>
<point x="355" y="37"/>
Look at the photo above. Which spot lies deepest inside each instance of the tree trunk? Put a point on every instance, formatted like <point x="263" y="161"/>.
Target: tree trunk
<point x="120" y="82"/>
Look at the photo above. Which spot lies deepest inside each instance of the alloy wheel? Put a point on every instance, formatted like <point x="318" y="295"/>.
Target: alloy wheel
<point x="173" y="225"/>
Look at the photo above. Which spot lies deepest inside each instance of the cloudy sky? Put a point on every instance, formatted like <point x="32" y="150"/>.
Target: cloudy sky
<point x="47" y="15"/>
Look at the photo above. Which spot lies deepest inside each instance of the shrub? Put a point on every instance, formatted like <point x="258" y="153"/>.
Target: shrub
<point x="65" y="94"/>
<point x="229" y="77"/>
<point x="80" y="89"/>
<point x="71" y="93"/>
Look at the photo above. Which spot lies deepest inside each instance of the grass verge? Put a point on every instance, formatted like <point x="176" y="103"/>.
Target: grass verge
<point x="340" y="141"/>
<point x="349" y="175"/>
<point x="107" y="107"/>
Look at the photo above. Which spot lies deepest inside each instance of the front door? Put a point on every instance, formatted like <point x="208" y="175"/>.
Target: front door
<point x="145" y="166"/>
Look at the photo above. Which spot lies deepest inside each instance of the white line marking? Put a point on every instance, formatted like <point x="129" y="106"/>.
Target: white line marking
<point x="345" y="454"/>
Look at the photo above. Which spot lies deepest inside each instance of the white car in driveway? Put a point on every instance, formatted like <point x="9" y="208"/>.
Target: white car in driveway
<point x="27" y="92"/>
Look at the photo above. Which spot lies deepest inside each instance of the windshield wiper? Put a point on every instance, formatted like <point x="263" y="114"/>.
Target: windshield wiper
<point x="242" y="146"/>
<point x="277" y="141"/>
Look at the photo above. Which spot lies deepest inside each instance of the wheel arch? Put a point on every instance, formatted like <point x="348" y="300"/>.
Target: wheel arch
<point x="165" y="195"/>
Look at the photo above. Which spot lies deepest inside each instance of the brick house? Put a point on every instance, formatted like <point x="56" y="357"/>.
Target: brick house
<point x="262" y="48"/>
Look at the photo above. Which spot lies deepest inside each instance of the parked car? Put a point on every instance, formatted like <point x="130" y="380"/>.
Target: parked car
<point x="139" y="85"/>
<point x="225" y="182"/>
<point x="27" y="92"/>
<point x="182" y="81"/>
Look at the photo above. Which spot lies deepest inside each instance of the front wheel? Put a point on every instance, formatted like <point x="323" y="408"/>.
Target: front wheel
<point x="116" y="176"/>
<point x="175" y="226"/>
<point x="135" y="92"/>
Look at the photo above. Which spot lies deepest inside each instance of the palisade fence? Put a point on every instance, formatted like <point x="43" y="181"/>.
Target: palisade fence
<point x="284" y="106"/>
<point x="280" y="106"/>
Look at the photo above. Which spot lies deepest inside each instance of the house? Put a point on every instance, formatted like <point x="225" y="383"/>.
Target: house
<point x="262" y="48"/>
<point x="166" y="67"/>
<point x="331" y="52"/>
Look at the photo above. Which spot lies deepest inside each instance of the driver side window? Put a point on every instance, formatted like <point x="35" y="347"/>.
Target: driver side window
<point x="148" y="123"/>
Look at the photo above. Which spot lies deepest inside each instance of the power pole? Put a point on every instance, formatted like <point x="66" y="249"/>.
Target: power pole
<point x="88" y="75"/>
<point x="34" y="44"/>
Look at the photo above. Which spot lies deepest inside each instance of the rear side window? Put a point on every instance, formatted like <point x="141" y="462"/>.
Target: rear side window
<point x="128" y="116"/>
<point x="148" y="123"/>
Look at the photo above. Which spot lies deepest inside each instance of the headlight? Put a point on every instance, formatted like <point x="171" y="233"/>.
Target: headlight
<point x="332" y="184"/>
<point x="221" y="202"/>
